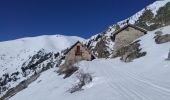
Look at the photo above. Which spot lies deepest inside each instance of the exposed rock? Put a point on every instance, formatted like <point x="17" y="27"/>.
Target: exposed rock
<point x="129" y="52"/>
<point x="147" y="19"/>
<point x="35" y="61"/>
<point x="159" y="39"/>
<point x="24" y="84"/>
<point x="35" y="65"/>
<point x="168" y="56"/>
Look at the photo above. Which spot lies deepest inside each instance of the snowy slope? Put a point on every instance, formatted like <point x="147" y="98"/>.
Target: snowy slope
<point x="146" y="78"/>
<point x="14" y="53"/>
<point x="107" y="35"/>
<point x="26" y="52"/>
<point x="154" y="7"/>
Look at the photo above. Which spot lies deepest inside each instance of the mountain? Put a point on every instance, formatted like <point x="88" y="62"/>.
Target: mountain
<point x="154" y="16"/>
<point x="146" y="78"/>
<point x="28" y="66"/>
<point x="19" y="55"/>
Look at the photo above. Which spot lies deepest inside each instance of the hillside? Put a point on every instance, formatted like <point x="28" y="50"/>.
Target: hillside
<point x="151" y="17"/>
<point x="19" y="55"/>
<point x="146" y="78"/>
<point x="29" y="66"/>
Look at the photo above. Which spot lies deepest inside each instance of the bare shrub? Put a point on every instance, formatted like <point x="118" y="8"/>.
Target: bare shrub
<point x="70" y="71"/>
<point x="84" y="78"/>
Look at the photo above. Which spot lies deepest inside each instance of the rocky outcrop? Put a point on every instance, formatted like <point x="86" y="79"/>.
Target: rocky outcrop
<point x="35" y="61"/>
<point x="8" y="78"/>
<point x="129" y="52"/>
<point x="159" y="39"/>
<point x="35" y="65"/>
<point x="24" y="84"/>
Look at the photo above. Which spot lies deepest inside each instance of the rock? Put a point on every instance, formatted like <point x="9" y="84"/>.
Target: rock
<point x="159" y="39"/>
<point x="158" y="32"/>
<point x="21" y="86"/>
<point x="129" y="52"/>
<point x="168" y="56"/>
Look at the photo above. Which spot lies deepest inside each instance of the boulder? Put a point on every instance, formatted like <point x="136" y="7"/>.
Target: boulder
<point x="159" y="39"/>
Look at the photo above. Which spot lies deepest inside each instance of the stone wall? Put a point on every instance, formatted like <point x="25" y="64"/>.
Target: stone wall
<point x="126" y="36"/>
<point x="71" y="58"/>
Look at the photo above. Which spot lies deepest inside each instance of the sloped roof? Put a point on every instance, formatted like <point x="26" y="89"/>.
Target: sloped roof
<point x="129" y="25"/>
<point x="71" y="47"/>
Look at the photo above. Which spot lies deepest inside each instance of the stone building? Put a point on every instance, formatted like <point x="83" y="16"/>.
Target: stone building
<point x="76" y="53"/>
<point x="126" y="35"/>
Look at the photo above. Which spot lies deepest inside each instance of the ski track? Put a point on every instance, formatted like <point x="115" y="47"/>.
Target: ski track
<point x="131" y="86"/>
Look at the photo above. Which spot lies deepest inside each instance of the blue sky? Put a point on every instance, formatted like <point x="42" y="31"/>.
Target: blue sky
<point x="25" y="18"/>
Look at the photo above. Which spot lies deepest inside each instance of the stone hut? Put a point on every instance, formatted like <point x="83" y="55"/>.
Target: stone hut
<point x="76" y="53"/>
<point x="126" y="35"/>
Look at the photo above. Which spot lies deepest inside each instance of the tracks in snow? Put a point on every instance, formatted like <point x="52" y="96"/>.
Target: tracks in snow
<point x="128" y="86"/>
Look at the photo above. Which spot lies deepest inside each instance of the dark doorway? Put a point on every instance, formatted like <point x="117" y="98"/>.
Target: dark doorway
<point x="78" y="51"/>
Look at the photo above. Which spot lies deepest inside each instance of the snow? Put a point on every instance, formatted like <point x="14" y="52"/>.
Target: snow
<point x="14" y="53"/>
<point x="154" y="7"/>
<point x="146" y="78"/>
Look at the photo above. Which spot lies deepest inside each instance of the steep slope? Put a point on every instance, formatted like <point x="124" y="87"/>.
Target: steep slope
<point x="22" y="57"/>
<point x="154" y="7"/>
<point x="146" y="78"/>
<point x="153" y="16"/>
<point x="14" y="53"/>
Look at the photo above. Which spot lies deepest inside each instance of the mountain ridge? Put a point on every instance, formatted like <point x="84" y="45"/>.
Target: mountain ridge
<point x="105" y="38"/>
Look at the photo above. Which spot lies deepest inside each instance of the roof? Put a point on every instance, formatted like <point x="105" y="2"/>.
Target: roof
<point x="75" y="45"/>
<point x="72" y="47"/>
<point x="129" y="25"/>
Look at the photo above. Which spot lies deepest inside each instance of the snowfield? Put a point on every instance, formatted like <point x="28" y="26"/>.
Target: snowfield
<point x="146" y="78"/>
<point x="14" y="53"/>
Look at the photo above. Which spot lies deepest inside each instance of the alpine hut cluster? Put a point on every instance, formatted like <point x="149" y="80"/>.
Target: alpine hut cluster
<point x="122" y="37"/>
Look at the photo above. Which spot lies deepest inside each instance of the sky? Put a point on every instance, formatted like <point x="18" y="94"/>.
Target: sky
<point x="84" y="18"/>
